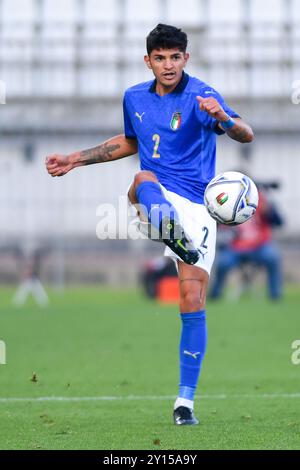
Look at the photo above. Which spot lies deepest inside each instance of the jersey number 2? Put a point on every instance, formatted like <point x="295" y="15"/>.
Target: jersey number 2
<point x="206" y="231"/>
<point x="156" y="139"/>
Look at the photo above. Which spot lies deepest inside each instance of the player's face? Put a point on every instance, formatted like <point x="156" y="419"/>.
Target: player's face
<point x="167" y="66"/>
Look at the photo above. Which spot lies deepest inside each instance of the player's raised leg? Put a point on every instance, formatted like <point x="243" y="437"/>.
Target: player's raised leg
<point x="147" y="192"/>
<point x="193" y="287"/>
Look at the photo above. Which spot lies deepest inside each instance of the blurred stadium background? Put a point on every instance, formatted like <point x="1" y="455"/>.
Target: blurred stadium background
<point x="65" y="65"/>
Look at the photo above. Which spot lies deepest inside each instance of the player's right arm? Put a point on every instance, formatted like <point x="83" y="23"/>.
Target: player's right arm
<point x="113" y="149"/>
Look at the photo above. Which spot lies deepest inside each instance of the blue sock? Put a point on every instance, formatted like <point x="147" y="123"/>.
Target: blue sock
<point x="192" y="350"/>
<point x="150" y="195"/>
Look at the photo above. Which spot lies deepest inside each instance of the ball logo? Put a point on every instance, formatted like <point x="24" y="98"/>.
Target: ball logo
<point x="222" y="198"/>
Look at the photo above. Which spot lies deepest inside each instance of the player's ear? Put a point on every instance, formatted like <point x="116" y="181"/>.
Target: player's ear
<point x="186" y="57"/>
<point x="147" y="61"/>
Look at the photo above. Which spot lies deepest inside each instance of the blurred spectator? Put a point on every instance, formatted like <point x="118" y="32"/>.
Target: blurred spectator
<point x="250" y="243"/>
<point x="30" y="283"/>
<point x="154" y="271"/>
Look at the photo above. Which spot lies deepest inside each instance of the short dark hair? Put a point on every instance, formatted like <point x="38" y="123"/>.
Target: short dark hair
<point x="164" y="36"/>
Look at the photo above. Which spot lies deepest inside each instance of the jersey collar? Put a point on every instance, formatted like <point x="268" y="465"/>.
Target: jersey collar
<point x="179" y="88"/>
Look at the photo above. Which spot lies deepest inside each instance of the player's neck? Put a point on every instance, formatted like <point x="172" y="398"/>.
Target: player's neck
<point x="162" y="89"/>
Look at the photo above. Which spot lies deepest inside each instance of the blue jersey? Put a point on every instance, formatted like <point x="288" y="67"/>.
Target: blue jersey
<point x="176" y="141"/>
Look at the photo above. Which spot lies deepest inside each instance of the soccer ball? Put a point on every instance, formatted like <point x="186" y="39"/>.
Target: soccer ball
<point x="231" y="198"/>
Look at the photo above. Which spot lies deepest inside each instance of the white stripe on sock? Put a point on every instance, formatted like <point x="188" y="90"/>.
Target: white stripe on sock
<point x="183" y="402"/>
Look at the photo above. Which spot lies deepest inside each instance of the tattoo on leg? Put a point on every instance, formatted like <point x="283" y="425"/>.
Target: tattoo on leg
<point x="101" y="153"/>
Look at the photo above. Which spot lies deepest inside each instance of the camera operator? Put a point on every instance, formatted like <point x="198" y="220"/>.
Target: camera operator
<point x="251" y="243"/>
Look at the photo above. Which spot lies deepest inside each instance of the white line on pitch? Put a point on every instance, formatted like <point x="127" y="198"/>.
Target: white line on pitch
<point x="145" y="397"/>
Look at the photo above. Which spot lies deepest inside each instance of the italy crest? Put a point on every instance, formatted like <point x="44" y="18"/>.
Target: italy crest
<point x="176" y="120"/>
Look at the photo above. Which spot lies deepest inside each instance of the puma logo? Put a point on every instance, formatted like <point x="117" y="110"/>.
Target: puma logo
<point x="194" y="355"/>
<point x="139" y="116"/>
<point x="202" y="251"/>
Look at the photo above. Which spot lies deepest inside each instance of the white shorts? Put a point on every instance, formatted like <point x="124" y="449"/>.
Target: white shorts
<point x="199" y="226"/>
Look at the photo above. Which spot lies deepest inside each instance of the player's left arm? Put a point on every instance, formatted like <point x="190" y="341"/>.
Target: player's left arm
<point x="236" y="128"/>
<point x="241" y="131"/>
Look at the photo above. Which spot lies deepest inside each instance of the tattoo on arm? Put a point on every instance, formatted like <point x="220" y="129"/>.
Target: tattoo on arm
<point x="101" y="153"/>
<point x="239" y="133"/>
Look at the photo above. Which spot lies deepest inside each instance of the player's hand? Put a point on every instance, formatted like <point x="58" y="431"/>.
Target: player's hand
<point x="212" y="107"/>
<point x="58" y="165"/>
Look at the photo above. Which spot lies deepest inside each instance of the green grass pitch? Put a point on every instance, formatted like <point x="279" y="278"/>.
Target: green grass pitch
<point x="112" y="358"/>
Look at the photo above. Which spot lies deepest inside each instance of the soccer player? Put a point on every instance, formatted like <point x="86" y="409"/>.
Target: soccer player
<point x="172" y="123"/>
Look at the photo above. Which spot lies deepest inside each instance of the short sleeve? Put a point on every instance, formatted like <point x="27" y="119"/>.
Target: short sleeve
<point x="207" y="120"/>
<point x="128" y="127"/>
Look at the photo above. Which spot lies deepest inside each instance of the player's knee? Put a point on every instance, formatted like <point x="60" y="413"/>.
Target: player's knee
<point x="143" y="176"/>
<point x="131" y="195"/>
<point x="190" y="300"/>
